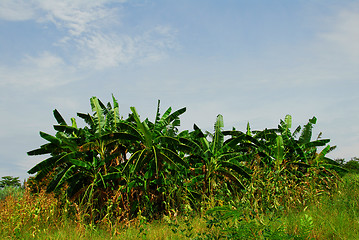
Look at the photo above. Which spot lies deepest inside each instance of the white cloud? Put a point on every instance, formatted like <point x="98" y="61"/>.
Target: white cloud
<point x="17" y="10"/>
<point x="44" y="71"/>
<point x="100" y="51"/>
<point x="78" y="16"/>
<point x="93" y="28"/>
<point x="74" y="14"/>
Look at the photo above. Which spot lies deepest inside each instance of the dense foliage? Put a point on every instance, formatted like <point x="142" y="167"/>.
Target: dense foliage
<point x="117" y="169"/>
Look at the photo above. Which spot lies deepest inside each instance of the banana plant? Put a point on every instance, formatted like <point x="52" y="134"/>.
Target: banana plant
<point x="155" y="147"/>
<point x="61" y="148"/>
<point x="215" y="159"/>
<point x="154" y="158"/>
<point x="283" y="148"/>
<point x="84" y="158"/>
<point x="306" y="149"/>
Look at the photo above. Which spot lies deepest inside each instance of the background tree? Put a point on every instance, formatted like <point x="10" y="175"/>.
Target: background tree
<point x="8" y="181"/>
<point x="352" y="165"/>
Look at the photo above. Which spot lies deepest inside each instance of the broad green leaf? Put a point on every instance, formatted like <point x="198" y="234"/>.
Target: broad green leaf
<point x="320" y="157"/>
<point x="306" y="134"/>
<point x="65" y="129"/>
<point x="133" y="161"/>
<point x="99" y="115"/>
<point x="129" y="128"/>
<point x="87" y="118"/>
<point x="249" y="133"/>
<point x="60" y="120"/>
<point x="44" y="149"/>
<point x="191" y="146"/>
<point x="279" y="150"/>
<point x="73" y="122"/>
<point x="230" y="175"/>
<point x="154" y="150"/>
<point x="116" y="111"/>
<point x="120" y="136"/>
<point x="112" y="176"/>
<point x="299" y="151"/>
<point x="43" y="173"/>
<point x="80" y="163"/>
<point x="144" y="157"/>
<point x="45" y="164"/>
<point x="157" y="112"/>
<point x="144" y="129"/>
<point x="218" y="135"/>
<point x="103" y="107"/>
<point x="59" y="179"/>
<point x="288" y="121"/>
<point x="197" y="132"/>
<point x="172" y="157"/>
<point x="52" y="161"/>
<point x="317" y="143"/>
<point x="50" y="138"/>
<point x="168" y="118"/>
<point x="241" y="170"/>
<point x="64" y="177"/>
<point x="162" y="121"/>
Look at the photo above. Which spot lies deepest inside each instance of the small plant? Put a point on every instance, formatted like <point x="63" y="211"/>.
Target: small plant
<point x="185" y="229"/>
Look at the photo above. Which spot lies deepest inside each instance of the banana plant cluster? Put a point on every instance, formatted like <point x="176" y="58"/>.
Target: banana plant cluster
<point x="148" y="166"/>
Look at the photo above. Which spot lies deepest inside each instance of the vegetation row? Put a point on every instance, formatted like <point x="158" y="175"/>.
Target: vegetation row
<point x="117" y="170"/>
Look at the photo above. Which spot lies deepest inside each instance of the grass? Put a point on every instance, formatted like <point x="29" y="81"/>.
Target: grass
<point x="333" y="217"/>
<point x="41" y="216"/>
<point x="338" y="217"/>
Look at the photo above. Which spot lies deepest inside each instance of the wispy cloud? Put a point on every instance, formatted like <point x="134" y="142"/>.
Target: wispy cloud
<point x="38" y="73"/>
<point x="78" y="16"/>
<point x="17" y="10"/>
<point x="93" y="27"/>
<point x="100" y="50"/>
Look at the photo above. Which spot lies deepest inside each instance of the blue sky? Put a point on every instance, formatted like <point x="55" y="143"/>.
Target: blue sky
<point x="251" y="61"/>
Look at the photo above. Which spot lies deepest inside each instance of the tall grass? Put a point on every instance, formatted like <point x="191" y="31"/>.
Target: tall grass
<point x="337" y="217"/>
<point x="28" y="214"/>
<point x="330" y="216"/>
<point x="333" y="217"/>
<point x="42" y="216"/>
<point x="15" y="192"/>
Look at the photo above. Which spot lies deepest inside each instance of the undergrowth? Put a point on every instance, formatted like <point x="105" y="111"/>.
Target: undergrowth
<point x="42" y="216"/>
